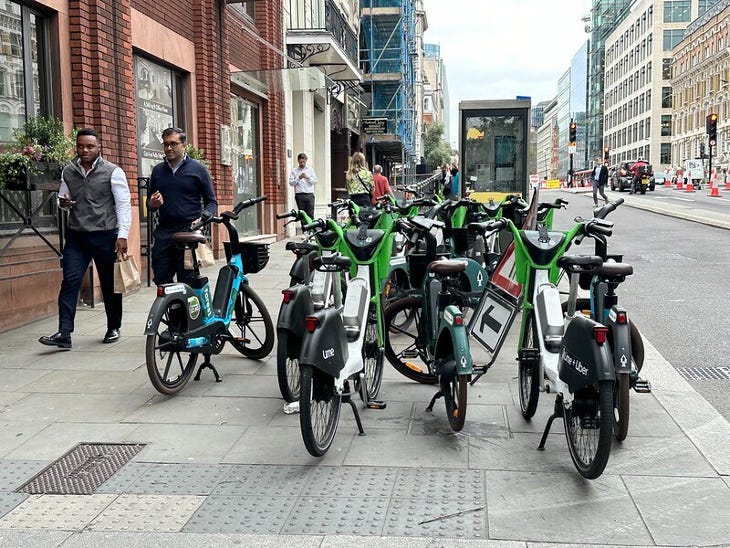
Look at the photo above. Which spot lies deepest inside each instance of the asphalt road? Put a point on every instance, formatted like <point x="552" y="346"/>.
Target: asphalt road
<point x="678" y="294"/>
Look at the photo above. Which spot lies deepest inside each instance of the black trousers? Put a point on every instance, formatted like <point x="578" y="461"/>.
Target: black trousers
<point x="168" y="260"/>
<point x="78" y="252"/>
<point x="305" y="202"/>
<point x="362" y="200"/>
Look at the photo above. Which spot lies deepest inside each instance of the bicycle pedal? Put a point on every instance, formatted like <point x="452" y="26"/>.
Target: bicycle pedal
<point x="243" y="340"/>
<point x="409" y="354"/>
<point x="376" y="404"/>
<point x="642" y="386"/>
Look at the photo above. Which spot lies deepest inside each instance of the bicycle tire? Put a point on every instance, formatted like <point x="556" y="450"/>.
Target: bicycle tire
<point x="409" y="339"/>
<point x="372" y="355"/>
<point x="621" y="407"/>
<point x="528" y="376"/>
<point x="394" y="291"/>
<point x="454" y="388"/>
<point x="288" y="372"/>
<point x="589" y="428"/>
<point x="253" y="325"/>
<point x="174" y="321"/>
<point x="319" y="410"/>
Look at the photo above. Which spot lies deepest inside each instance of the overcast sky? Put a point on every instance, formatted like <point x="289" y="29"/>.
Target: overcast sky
<point x="498" y="49"/>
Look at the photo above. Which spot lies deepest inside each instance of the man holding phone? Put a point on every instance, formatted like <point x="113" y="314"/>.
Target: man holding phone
<point x="96" y="194"/>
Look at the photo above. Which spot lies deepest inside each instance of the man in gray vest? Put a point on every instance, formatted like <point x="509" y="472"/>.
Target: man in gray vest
<point x="96" y="195"/>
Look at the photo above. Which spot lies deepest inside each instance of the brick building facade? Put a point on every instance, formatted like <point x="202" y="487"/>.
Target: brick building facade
<point x="130" y="68"/>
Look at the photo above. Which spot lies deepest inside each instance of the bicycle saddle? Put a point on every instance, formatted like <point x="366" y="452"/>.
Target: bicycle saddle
<point x="575" y="264"/>
<point x="187" y="238"/>
<point x="448" y="266"/>
<point x="301" y="246"/>
<point x="613" y="270"/>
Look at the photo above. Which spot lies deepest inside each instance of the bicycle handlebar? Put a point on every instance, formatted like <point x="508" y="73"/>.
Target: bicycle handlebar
<point x="319" y="223"/>
<point x="293" y="213"/>
<point x="607" y="208"/>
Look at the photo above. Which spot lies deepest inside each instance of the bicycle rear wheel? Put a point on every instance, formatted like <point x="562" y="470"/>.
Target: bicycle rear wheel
<point x="454" y="389"/>
<point x="589" y="428"/>
<point x="168" y="367"/>
<point x="252" y="325"/>
<point x="528" y="374"/>
<point x="319" y="410"/>
<point x="621" y="410"/>
<point x="405" y="345"/>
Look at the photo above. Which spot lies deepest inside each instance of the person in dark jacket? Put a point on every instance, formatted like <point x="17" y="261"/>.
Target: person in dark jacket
<point x="600" y="180"/>
<point x="178" y="185"/>
<point x="96" y="195"/>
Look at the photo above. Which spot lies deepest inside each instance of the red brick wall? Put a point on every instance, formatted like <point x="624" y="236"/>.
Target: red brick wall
<point x="175" y="16"/>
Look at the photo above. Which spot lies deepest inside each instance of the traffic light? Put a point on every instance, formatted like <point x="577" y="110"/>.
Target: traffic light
<point x="606" y="155"/>
<point x="702" y="151"/>
<point x="712" y="128"/>
<point x="573" y="133"/>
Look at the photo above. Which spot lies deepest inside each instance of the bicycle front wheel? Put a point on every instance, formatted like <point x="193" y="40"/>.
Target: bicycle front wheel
<point x="253" y="330"/>
<point x="287" y="367"/>
<point x="319" y="410"/>
<point x="589" y="428"/>
<point x="168" y="367"/>
<point x="405" y="344"/>
<point x="528" y="374"/>
<point x="372" y="355"/>
<point x="454" y="388"/>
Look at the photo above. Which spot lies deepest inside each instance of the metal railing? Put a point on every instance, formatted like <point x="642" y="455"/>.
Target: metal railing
<point x="324" y="15"/>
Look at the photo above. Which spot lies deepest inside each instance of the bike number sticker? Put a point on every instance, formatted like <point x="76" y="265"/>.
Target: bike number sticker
<point x="492" y="321"/>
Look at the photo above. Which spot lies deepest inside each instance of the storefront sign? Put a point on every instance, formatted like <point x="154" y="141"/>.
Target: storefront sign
<point x="375" y="126"/>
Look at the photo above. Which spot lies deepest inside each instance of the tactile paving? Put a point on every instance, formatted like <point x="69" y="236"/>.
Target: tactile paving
<point x="14" y="473"/>
<point x="337" y="516"/>
<point x="405" y="517"/>
<point x="149" y="513"/>
<point x="82" y="469"/>
<point x="179" y="479"/>
<point x="124" y="478"/>
<point x="8" y="501"/>
<point x="351" y="481"/>
<point x="67" y="513"/>
<point x="439" y="484"/>
<point x="269" y="481"/>
<point x="226" y="514"/>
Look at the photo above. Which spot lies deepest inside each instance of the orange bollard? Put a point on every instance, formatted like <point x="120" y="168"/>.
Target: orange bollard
<point x="667" y="182"/>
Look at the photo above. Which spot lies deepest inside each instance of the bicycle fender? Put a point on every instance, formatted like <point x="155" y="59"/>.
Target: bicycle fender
<point x="292" y="314"/>
<point x="583" y="361"/>
<point x="172" y="293"/>
<point x="326" y="347"/>
<point x="621" y="338"/>
<point x="300" y="268"/>
<point x="478" y="277"/>
<point x="453" y="340"/>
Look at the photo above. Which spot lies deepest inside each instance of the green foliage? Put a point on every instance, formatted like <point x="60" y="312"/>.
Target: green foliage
<point x="436" y="150"/>
<point x="39" y="140"/>
<point x="197" y="154"/>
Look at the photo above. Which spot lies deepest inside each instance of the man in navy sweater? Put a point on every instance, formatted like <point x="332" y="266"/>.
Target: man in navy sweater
<point x="177" y="186"/>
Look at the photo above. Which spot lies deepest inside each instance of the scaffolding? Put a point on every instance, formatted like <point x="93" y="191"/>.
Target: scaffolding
<point x="388" y="57"/>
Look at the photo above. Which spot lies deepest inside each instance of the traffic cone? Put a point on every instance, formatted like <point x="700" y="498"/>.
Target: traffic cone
<point x="667" y="182"/>
<point x="679" y="183"/>
<point x="714" y="191"/>
<point x="690" y="187"/>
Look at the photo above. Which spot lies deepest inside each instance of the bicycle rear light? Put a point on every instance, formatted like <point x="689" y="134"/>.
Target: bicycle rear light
<point x="458" y="320"/>
<point x="311" y="323"/>
<point x="160" y="291"/>
<point x="600" y="333"/>
<point x="287" y="293"/>
<point x="621" y="318"/>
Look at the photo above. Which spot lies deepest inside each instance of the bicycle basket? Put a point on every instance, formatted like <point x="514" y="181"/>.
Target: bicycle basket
<point x="254" y="255"/>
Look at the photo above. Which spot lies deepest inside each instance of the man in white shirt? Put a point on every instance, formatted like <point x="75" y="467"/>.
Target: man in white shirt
<point x="303" y="179"/>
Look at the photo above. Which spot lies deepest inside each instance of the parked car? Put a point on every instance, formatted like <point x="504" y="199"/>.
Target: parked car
<point x="619" y="177"/>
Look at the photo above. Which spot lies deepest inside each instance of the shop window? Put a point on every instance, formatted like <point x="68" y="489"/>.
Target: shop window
<point x="245" y="158"/>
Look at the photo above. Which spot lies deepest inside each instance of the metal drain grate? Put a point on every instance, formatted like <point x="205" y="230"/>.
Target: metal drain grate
<point x="705" y="373"/>
<point x="82" y="469"/>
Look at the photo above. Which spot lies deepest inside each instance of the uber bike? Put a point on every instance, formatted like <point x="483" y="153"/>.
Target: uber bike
<point x="567" y="355"/>
<point x="185" y="321"/>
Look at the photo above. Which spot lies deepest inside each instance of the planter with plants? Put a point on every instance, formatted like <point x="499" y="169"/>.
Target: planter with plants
<point x="35" y="159"/>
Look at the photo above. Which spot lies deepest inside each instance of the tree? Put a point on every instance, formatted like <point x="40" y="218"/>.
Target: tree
<point x="436" y="151"/>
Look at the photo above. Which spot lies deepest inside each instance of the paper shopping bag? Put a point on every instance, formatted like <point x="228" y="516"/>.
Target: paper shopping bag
<point x="204" y="254"/>
<point x="126" y="276"/>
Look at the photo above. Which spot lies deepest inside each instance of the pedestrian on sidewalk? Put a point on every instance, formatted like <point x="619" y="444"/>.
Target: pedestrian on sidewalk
<point x="451" y="190"/>
<point x="96" y="195"/>
<point x="600" y="180"/>
<point x="178" y="184"/>
<point x="303" y="178"/>
<point x="444" y="178"/>
<point x="359" y="180"/>
<point x="381" y="186"/>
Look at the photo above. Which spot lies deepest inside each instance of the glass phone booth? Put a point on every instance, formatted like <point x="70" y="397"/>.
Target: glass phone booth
<point x="494" y="139"/>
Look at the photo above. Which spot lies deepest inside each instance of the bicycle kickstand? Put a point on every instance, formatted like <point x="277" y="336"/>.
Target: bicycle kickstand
<point x="558" y="412"/>
<point x="436" y="396"/>
<point x="348" y="399"/>
<point x="207" y="365"/>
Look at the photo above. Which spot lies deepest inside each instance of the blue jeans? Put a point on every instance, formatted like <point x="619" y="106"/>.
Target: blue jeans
<point x="78" y="252"/>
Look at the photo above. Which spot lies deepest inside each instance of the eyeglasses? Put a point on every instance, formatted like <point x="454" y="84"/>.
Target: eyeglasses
<point x="172" y="144"/>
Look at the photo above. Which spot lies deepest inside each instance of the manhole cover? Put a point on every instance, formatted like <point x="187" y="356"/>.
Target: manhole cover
<point x="82" y="469"/>
<point x="705" y="373"/>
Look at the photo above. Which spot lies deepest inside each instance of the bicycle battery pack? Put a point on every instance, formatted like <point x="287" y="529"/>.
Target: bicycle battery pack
<point x="355" y="305"/>
<point x="226" y="277"/>
<point x="551" y="316"/>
